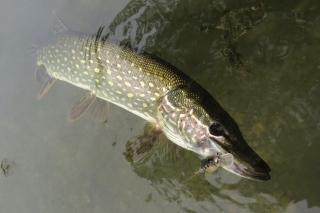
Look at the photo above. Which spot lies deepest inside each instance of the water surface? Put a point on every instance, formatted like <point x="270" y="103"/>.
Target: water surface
<point x="79" y="167"/>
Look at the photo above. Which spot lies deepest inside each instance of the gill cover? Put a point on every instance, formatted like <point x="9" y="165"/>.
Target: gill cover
<point x="185" y="122"/>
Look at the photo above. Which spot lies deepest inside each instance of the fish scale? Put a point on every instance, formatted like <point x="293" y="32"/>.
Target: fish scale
<point x="126" y="78"/>
<point x="149" y="87"/>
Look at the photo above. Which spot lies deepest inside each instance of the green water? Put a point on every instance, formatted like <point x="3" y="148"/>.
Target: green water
<point x="79" y="167"/>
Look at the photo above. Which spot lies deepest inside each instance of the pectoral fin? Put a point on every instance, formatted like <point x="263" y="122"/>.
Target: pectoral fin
<point x="42" y="77"/>
<point x="81" y="106"/>
<point x="139" y="146"/>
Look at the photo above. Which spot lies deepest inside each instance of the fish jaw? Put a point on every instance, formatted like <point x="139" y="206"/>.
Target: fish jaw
<point x="247" y="163"/>
<point x="240" y="170"/>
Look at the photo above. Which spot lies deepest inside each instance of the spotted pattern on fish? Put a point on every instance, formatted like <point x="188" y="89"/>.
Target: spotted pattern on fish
<point x="150" y="88"/>
<point x="112" y="72"/>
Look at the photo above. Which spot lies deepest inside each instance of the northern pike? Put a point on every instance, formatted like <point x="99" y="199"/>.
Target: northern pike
<point x="171" y="102"/>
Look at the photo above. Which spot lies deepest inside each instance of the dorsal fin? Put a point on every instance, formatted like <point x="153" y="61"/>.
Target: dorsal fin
<point x="59" y="26"/>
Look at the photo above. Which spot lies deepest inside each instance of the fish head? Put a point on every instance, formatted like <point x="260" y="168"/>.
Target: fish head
<point x="193" y="119"/>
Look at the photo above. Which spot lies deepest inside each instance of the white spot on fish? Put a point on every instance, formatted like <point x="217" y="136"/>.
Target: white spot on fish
<point x="127" y="84"/>
<point x="83" y="61"/>
<point x="142" y="83"/>
<point x="111" y="83"/>
<point x="109" y="72"/>
<point x="151" y="84"/>
<point x="130" y="95"/>
<point x="119" y="92"/>
<point x="86" y="73"/>
<point x="119" y="77"/>
<point x="77" y="66"/>
<point x="118" y="65"/>
<point x="145" y="104"/>
<point x="97" y="70"/>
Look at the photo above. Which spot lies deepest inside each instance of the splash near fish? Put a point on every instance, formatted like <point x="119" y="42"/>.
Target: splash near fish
<point x="170" y="101"/>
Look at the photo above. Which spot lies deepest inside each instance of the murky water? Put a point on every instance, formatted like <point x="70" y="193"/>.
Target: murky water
<point x="79" y="167"/>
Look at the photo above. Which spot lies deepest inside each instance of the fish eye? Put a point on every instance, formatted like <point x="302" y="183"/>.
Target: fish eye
<point x="216" y="129"/>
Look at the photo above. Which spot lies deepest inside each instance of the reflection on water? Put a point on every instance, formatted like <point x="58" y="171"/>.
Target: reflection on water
<point x="74" y="167"/>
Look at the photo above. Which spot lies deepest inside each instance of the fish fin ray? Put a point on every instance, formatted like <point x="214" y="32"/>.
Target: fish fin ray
<point x="59" y="26"/>
<point x="100" y="109"/>
<point x="81" y="106"/>
<point x="33" y="50"/>
<point x="138" y="147"/>
<point x="42" y="77"/>
<point x="40" y="74"/>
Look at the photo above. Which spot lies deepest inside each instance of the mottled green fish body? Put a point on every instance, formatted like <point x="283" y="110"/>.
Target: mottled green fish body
<point x="120" y="75"/>
<point x="151" y="88"/>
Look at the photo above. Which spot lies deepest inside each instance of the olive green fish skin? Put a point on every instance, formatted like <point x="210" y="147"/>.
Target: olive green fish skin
<point x="153" y="89"/>
<point x="114" y="73"/>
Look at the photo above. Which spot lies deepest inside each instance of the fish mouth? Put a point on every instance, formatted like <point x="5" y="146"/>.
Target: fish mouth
<point x="249" y="173"/>
<point x="247" y="163"/>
